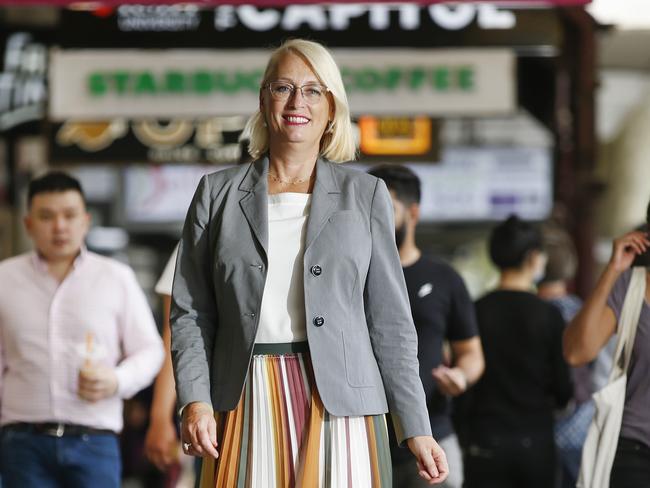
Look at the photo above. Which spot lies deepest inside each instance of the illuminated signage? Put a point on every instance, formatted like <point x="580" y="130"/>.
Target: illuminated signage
<point x="199" y="81"/>
<point x="336" y="24"/>
<point x="203" y="81"/>
<point x="107" y="84"/>
<point x="212" y="141"/>
<point x="158" y="18"/>
<point x="23" y="90"/>
<point x="338" y="17"/>
<point x="395" y="136"/>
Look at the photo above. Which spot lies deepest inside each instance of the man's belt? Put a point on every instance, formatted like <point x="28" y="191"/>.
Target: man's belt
<point x="56" y="429"/>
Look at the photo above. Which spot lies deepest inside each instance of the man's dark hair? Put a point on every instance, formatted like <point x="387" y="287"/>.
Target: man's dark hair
<point x="511" y="242"/>
<point x="404" y="182"/>
<point x="55" y="181"/>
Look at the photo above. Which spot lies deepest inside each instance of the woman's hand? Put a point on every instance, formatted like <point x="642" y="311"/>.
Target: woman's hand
<point x="161" y="444"/>
<point x="199" y="430"/>
<point x="432" y="461"/>
<point x="626" y="249"/>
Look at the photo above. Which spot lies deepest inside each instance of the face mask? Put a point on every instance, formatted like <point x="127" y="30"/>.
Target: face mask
<point x="400" y="235"/>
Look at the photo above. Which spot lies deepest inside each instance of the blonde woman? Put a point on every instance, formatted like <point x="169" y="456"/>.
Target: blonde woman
<point x="291" y="328"/>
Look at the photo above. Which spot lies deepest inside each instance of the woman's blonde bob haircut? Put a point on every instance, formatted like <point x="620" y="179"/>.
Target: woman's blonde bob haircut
<point x="337" y="143"/>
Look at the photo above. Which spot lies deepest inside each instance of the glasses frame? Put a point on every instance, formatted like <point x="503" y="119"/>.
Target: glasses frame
<point x="294" y="88"/>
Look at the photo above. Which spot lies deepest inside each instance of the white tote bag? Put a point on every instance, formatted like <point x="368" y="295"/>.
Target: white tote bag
<point x="602" y="438"/>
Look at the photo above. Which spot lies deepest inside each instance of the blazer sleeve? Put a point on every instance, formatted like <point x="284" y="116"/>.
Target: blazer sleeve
<point x="193" y="316"/>
<point x="390" y="324"/>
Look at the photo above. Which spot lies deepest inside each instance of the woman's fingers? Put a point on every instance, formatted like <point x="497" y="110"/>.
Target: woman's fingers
<point x="206" y="444"/>
<point x="637" y="241"/>
<point x="429" y="465"/>
<point x="424" y="474"/>
<point x="200" y="434"/>
<point x="199" y="430"/>
<point x="440" y="459"/>
<point x="431" y="460"/>
<point x="212" y="433"/>
<point x="627" y="247"/>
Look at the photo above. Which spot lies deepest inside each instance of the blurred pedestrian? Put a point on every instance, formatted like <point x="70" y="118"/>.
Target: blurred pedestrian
<point x="572" y="424"/>
<point x="592" y="329"/>
<point x="162" y="444"/>
<point x="511" y="409"/>
<point x="290" y="315"/>
<point x="76" y="338"/>
<point x="561" y="266"/>
<point x="442" y="311"/>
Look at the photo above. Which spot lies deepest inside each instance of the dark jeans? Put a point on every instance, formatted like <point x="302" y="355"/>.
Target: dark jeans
<point x="42" y="461"/>
<point x="631" y="467"/>
<point x="510" y="460"/>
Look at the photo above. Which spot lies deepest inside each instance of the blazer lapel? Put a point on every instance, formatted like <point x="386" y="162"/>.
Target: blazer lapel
<point x="323" y="200"/>
<point x="254" y="204"/>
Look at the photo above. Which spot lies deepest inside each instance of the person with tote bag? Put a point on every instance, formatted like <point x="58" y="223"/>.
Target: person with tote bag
<point x="617" y="451"/>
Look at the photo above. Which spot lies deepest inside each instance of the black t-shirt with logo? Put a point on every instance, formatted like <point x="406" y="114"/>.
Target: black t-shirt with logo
<point x="442" y="309"/>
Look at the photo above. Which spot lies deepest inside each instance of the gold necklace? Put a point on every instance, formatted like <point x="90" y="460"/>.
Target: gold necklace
<point x="296" y="181"/>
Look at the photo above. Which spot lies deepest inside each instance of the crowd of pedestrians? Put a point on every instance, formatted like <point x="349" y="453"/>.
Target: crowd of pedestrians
<point x="78" y="337"/>
<point x="504" y="394"/>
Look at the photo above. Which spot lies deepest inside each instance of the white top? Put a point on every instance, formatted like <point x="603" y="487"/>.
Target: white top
<point x="282" y="316"/>
<point x="164" y="285"/>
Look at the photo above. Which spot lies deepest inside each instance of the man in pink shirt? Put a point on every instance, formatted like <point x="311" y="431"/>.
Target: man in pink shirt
<point x="76" y="338"/>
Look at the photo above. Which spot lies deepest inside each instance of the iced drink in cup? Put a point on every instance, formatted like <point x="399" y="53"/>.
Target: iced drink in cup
<point x="96" y="380"/>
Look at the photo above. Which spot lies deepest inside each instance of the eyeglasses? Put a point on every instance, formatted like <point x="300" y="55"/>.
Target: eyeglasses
<point x="312" y="93"/>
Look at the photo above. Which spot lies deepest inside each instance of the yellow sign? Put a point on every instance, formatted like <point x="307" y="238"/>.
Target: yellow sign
<point x="395" y="136"/>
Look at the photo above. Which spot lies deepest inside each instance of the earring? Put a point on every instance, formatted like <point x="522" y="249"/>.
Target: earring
<point x="330" y="127"/>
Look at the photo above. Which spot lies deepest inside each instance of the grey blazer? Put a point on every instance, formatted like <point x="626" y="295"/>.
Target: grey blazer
<point x="361" y="335"/>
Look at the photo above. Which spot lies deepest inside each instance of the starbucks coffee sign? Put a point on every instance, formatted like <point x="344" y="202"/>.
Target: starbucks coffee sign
<point x="102" y="84"/>
<point x="202" y="82"/>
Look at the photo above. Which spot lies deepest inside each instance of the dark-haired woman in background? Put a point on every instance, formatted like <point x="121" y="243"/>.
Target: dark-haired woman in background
<point x="526" y="378"/>
<point x="593" y="327"/>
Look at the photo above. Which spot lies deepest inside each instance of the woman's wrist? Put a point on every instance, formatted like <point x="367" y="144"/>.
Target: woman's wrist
<point x="612" y="271"/>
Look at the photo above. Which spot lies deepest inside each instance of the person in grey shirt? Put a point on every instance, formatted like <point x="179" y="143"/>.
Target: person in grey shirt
<point x="590" y="331"/>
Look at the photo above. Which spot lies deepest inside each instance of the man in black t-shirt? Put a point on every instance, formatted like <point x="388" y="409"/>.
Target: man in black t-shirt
<point x="442" y="311"/>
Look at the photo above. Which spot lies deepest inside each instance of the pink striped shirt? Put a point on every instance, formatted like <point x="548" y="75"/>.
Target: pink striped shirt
<point x="44" y="327"/>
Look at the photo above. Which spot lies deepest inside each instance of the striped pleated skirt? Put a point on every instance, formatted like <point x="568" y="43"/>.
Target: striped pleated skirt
<point x="281" y="436"/>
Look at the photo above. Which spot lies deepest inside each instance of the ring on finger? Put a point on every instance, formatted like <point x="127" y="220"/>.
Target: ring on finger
<point x="186" y="446"/>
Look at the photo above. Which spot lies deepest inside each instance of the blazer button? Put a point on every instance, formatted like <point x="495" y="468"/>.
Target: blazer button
<point x="318" y="321"/>
<point x="316" y="270"/>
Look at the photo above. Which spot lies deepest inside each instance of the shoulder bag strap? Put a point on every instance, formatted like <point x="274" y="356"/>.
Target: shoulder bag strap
<point x="629" y="319"/>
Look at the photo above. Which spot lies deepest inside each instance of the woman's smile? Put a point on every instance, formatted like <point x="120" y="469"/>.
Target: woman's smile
<point x="296" y="119"/>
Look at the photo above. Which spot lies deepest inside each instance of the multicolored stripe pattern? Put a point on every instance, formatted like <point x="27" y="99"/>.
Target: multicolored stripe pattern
<point x="280" y="435"/>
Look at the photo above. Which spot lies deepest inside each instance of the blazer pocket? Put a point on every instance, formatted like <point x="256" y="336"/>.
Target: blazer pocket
<point x="359" y="360"/>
